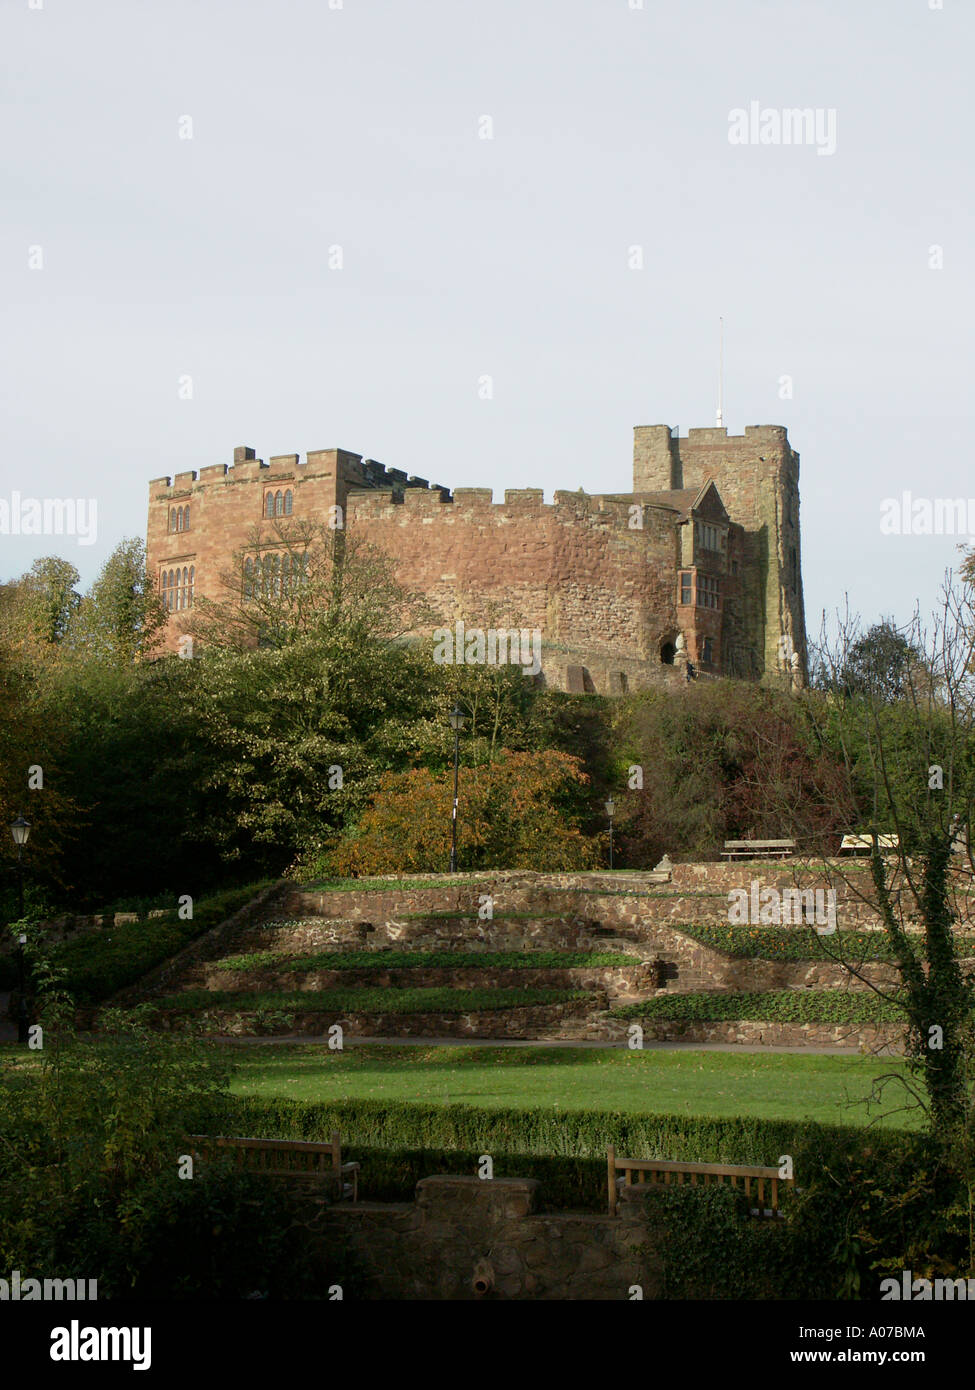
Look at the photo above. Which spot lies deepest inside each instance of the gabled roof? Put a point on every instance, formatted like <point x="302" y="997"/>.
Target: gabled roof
<point x="687" y="501"/>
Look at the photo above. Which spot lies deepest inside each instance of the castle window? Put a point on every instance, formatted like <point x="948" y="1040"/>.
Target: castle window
<point x="708" y="537"/>
<point x="288" y="502"/>
<point x="269" y="504"/>
<point x="169" y="582"/>
<point x="189" y="592"/>
<point x="707" y="651"/>
<point x="685" y="586"/>
<point x="186" y="517"/>
<point x="248" y="580"/>
<point x="707" y="591"/>
<point x="278" y="504"/>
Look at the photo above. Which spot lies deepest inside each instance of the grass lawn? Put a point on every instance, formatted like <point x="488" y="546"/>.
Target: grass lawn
<point x="773" y="1086"/>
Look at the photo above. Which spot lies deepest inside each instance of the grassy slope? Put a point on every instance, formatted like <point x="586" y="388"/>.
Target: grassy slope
<point x="780" y="1086"/>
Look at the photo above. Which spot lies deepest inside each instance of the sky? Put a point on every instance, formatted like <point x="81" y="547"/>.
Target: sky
<point x="480" y="240"/>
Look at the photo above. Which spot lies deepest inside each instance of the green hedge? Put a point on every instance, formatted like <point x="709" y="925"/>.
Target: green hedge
<point x="101" y="962"/>
<point x="442" y="1000"/>
<point x="464" y="1129"/>
<point x="773" y="1006"/>
<point x="441" y="960"/>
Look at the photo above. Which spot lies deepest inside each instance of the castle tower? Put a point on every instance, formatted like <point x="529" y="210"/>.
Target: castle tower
<point x="757" y="475"/>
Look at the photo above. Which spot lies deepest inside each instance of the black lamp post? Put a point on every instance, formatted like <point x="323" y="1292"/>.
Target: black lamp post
<point x="457" y="721"/>
<point x="610" y="808"/>
<point x="20" y="829"/>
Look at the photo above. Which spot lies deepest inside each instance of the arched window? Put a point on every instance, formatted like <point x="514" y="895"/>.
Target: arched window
<point x="285" y="574"/>
<point x="288" y="502"/>
<point x="278" y="504"/>
<point x="269" y="504"/>
<point x="276" y="574"/>
<point x="179" y="518"/>
<point x="186" y="517"/>
<point x="189" y="592"/>
<point x="248" y="580"/>
<point x="170" y="588"/>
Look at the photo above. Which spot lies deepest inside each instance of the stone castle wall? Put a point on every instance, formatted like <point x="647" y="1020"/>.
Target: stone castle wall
<point x="597" y="576"/>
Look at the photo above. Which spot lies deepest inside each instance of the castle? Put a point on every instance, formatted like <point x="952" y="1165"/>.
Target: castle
<point x="695" y="573"/>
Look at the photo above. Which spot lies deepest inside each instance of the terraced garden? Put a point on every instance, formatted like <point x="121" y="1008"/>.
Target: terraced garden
<point x="551" y="957"/>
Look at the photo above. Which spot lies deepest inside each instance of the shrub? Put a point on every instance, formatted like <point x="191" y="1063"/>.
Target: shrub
<point x="98" y="964"/>
<point x="521" y="811"/>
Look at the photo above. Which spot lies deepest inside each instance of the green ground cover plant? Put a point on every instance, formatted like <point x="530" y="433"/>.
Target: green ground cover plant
<point x="404" y="960"/>
<point x="365" y="1000"/>
<point x="803" y="943"/>
<point x="778" y="1006"/>
<point x="98" y="963"/>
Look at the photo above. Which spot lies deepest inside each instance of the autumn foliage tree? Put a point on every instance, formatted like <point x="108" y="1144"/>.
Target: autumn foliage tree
<point x="520" y="811"/>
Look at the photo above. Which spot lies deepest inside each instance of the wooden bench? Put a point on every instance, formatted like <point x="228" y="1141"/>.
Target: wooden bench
<point x="314" y="1164"/>
<point x="863" y="844"/>
<point x="662" y="1170"/>
<point x="758" y="849"/>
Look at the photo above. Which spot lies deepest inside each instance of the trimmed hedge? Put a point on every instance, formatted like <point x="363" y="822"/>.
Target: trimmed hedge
<point x="465" y="1129"/>
<point x="104" y="961"/>
<point x="448" y="960"/>
<point x="368" y="999"/>
<point x="773" y="1006"/>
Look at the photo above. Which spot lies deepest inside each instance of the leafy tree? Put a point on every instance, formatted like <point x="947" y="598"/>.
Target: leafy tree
<point x="916" y="758"/>
<point x="520" y="811"/>
<point x="121" y="617"/>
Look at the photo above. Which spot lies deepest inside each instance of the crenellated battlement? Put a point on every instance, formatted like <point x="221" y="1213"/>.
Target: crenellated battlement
<point x="357" y="472"/>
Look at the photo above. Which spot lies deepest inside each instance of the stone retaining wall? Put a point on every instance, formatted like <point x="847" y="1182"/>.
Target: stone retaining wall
<point x="571" y="1020"/>
<point x="762" y="1032"/>
<point x="462" y="1226"/>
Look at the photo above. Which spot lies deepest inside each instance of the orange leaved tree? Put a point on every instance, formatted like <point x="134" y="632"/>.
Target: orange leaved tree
<point x="521" y="811"/>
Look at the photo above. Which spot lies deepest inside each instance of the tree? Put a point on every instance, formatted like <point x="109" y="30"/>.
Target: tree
<point x="882" y="663"/>
<point x="39" y="608"/>
<point x="520" y="811"/>
<point x="909" y="762"/>
<point x="121" y="617"/>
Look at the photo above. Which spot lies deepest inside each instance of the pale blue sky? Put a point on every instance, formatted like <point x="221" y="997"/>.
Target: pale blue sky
<point x="463" y="257"/>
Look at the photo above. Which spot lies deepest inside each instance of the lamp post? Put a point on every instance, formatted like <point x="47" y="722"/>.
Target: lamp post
<point x="610" y="808"/>
<point x="20" y="829"/>
<point x="457" y="721"/>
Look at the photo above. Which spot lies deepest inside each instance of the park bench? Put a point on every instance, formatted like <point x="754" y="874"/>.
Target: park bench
<point x="311" y="1164"/>
<point x="664" y="1171"/>
<point x="862" y="844"/>
<point x="758" y="849"/>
